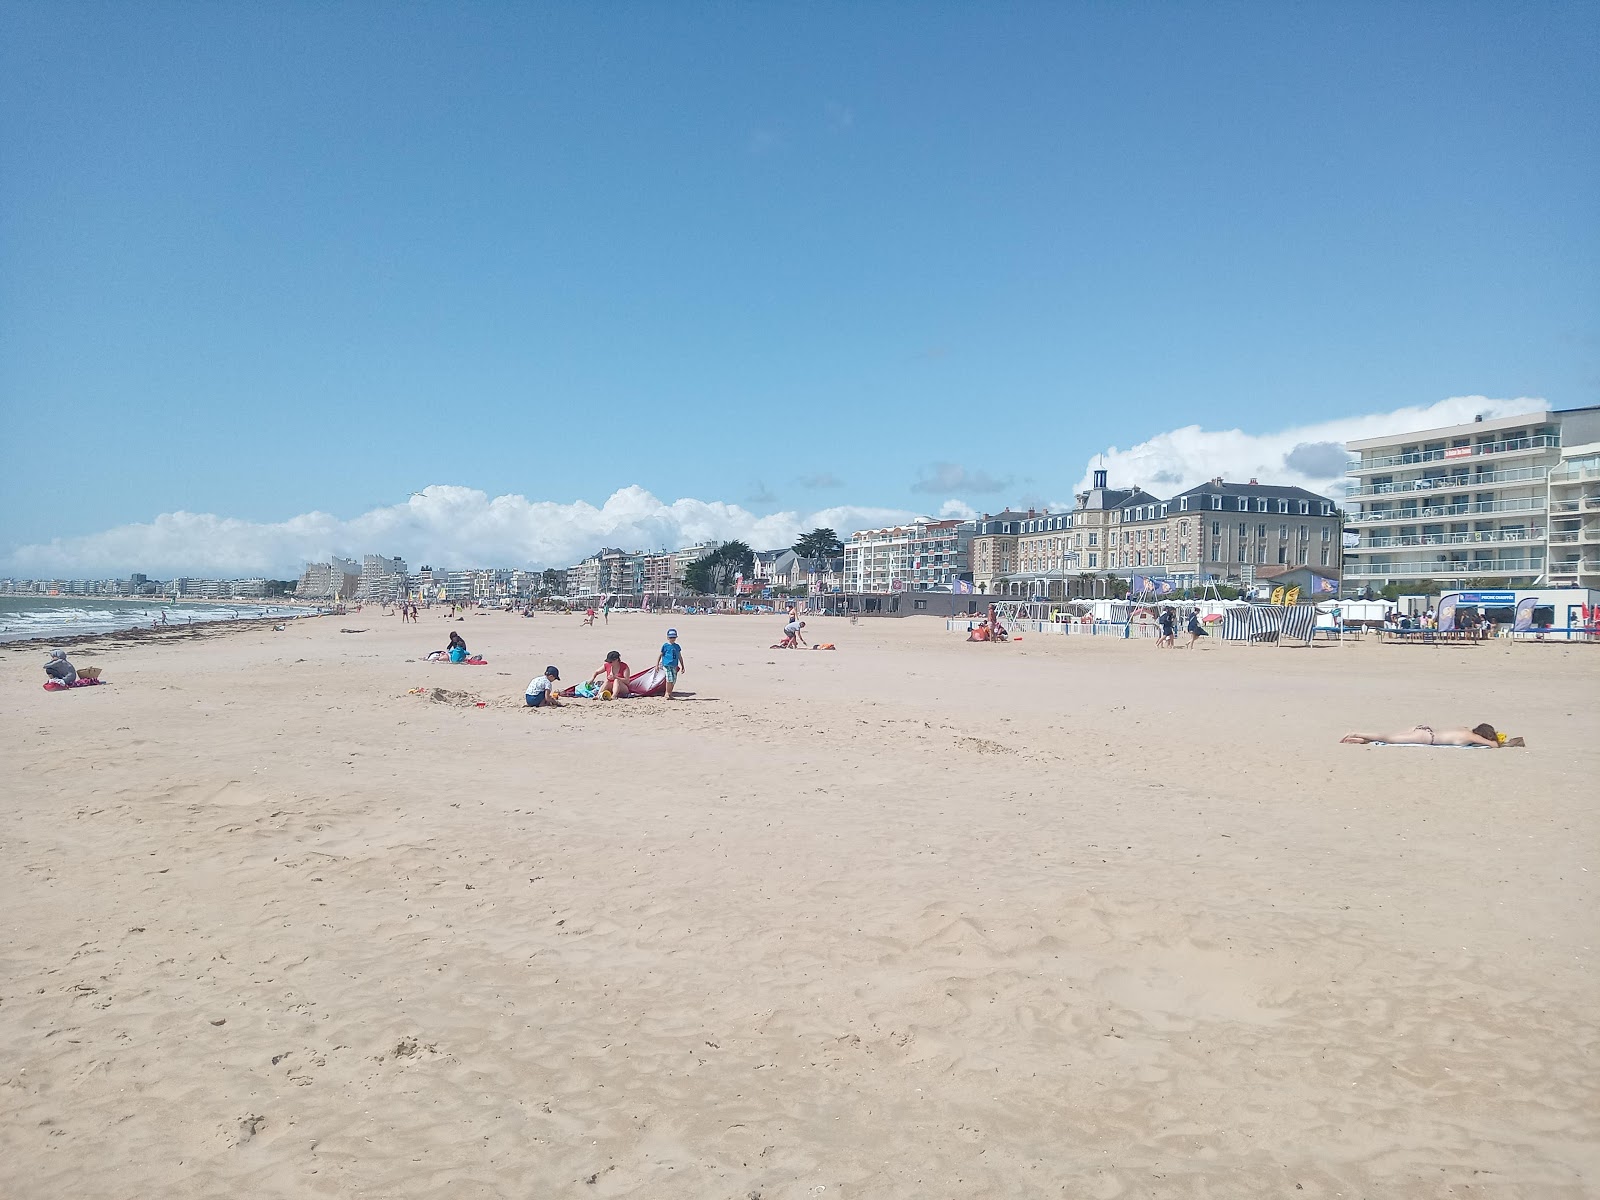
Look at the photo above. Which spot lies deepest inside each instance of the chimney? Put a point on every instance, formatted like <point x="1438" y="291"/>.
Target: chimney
<point x="1252" y="481"/>
<point x="1100" y="479"/>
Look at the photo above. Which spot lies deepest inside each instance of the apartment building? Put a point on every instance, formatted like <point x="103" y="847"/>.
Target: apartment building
<point x="1223" y="531"/>
<point x="382" y="579"/>
<point x="1464" y="502"/>
<point x="924" y="555"/>
<point x="992" y="550"/>
<point x="1574" y="518"/>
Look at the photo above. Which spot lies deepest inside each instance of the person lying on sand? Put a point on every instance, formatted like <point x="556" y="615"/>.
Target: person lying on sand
<point x="616" y="675"/>
<point x="59" y="669"/>
<point x="1424" y="735"/>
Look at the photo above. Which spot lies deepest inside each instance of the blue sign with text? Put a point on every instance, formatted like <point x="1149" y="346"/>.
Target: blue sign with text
<point x="1496" y="598"/>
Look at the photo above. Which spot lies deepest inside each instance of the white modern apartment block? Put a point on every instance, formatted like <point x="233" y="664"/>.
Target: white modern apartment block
<point x="923" y="555"/>
<point x="382" y="579"/>
<point x="1574" y="514"/>
<point x="1464" y="503"/>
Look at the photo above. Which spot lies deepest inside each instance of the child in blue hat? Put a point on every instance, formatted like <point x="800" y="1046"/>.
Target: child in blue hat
<point x="671" y="660"/>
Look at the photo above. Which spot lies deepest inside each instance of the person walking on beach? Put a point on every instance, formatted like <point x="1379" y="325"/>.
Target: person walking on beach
<point x="1195" y="630"/>
<point x="605" y="609"/>
<point x="670" y="660"/>
<point x="1169" y="630"/>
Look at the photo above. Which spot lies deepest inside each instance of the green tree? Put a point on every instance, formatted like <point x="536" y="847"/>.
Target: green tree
<point x="714" y="574"/>
<point x="819" y="543"/>
<point x="552" y="582"/>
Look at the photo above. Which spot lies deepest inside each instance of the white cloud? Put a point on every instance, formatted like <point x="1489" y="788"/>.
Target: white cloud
<point x="443" y="526"/>
<point x="951" y="477"/>
<point x="1308" y="456"/>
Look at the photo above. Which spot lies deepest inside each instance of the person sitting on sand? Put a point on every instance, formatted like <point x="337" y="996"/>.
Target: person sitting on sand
<point x="457" y="649"/>
<point x="1424" y="735"/>
<point x="616" y="675"/>
<point x="980" y="634"/>
<point x="60" y="670"/>
<point x="543" y="692"/>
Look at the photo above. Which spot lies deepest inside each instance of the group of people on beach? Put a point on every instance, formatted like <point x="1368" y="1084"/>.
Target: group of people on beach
<point x="1168" y="622"/>
<point x="614" y="680"/>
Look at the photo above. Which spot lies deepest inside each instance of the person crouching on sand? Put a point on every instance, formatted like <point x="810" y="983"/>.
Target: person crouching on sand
<point x="543" y="692"/>
<point x="60" y="670"/>
<point x="616" y="675"/>
<point x="1424" y="735"/>
<point x="457" y="649"/>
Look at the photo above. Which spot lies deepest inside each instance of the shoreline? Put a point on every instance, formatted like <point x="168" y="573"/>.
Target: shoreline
<point x="148" y="633"/>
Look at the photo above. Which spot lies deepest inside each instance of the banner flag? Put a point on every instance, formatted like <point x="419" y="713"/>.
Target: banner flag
<point x="1293" y="595"/>
<point x="1277" y="595"/>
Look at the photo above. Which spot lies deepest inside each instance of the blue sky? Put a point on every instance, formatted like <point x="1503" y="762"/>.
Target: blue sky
<point x="262" y="261"/>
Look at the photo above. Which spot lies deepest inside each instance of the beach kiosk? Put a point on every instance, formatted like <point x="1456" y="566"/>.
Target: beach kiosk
<point x="1529" y="614"/>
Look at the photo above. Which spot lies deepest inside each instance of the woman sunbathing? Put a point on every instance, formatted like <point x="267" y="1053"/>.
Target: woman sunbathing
<point x="1424" y="735"/>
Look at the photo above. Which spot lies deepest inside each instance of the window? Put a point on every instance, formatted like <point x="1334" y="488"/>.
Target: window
<point x="1327" y="509"/>
<point x="1244" y="531"/>
<point x="1216" y="552"/>
<point x="1261" y="552"/>
<point x="1283" y="531"/>
<point x="1216" y="529"/>
<point x="1327" y="535"/>
<point x="1244" y="504"/>
<point x="1183" y="504"/>
<point x="1305" y="507"/>
<point x="1094" y="540"/>
<point x="1261" y="531"/>
<point x="1283" y="506"/>
<point x="1216" y="502"/>
<point x="1283" y="555"/>
<point x="1305" y="533"/>
<point x="1094" y="559"/>
<point x="1261" y="505"/>
<point x="1183" y="529"/>
<point x="1324" y="556"/>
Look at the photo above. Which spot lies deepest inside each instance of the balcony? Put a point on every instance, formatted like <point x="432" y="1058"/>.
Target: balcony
<point x="1392" y="515"/>
<point x="1522" y="445"/>
<point x="1576" y="471"/>
<point x="1455" y="539"/>
<point x="1432" y="568"/>
<point x="1458" y="482"/>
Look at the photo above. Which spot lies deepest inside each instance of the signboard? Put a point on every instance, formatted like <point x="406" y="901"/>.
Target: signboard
<point x="1459" y="452"/>
<point x="1493" y="599"/>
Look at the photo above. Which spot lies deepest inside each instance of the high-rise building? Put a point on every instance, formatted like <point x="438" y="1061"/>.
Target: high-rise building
<point x="1466" y="503"/>
<point x="383" y="580"/>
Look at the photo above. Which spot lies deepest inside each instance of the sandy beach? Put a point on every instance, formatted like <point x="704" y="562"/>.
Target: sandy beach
<point x="915" y="918"/>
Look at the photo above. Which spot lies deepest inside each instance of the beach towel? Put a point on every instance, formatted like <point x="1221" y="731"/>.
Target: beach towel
<point x="55" y="685"/>
<point x="1423" y="746"/>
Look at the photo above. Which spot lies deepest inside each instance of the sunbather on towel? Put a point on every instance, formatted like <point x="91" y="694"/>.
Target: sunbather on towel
<point x="1424" y="735"/>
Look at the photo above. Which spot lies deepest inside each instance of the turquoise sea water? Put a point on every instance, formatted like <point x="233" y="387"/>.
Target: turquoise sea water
<point x="44" y="617"/>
